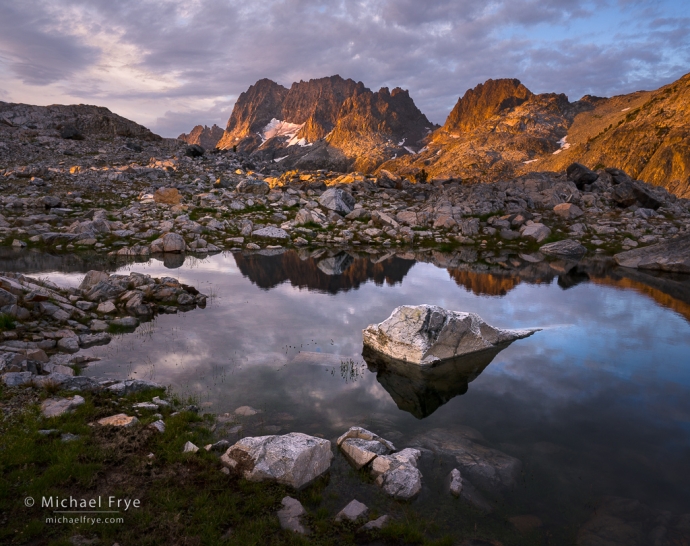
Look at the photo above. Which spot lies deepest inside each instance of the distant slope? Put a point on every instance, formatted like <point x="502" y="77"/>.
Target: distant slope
<point x="647" y="134"/>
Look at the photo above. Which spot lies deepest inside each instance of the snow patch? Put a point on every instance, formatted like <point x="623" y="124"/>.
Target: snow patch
<point x="625" y="109"/>
<point x="410" y="150"/>
<point x="402" y="142"/>
<point x="299" y="141"/>
<point x="564" y="145"/>
<point x="277" y="159"/>
<point x="531" y="160"/>
<point x="279" y="128"/>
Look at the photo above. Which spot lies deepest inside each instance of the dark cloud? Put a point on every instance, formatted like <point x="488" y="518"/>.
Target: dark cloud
<point x="208" y="52"/>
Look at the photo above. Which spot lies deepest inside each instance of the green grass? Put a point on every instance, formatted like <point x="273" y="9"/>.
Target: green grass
<point x="6" y="322"/>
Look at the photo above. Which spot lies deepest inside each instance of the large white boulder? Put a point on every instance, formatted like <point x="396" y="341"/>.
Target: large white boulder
<point x="293" y="459"/>
<point x="428" y="334"/>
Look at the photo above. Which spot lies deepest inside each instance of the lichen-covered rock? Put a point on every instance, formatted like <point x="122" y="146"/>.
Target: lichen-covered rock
<point x="428" y="334"/>
<point x="293" y="459"/>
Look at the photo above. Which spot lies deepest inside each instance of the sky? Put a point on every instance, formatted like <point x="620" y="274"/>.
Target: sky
<point x="173" y="64"/>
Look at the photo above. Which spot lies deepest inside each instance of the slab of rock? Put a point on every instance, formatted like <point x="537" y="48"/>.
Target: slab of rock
<point x="487" y="468"/>
<point x="54" y="407"/>
<point x="17" y="379"/>
<point x="375" y="524"/>
<point x="353" y="511"/>
<point x="397" y="474"/>
<point x="129" y="386"/>
<point x="428" y="334"/>
<point x="360" y="446"/>
<point x="170" y="242"/>
<point x="293" y="459"/>
<point x="536" y="231"/>
<point x="67" y="382"/>
<point x="90" y="340"/>
<point x="92" y="278"/>
<point x="338" y="201"/>
<point x="568" y="248"/>
<point x="290" y="516"/>
<point x="119" y="420"/>
<point x="671" y="255"/>
<point x="271" y="232"/>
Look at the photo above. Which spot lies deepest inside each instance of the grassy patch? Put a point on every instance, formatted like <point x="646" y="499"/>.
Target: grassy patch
<point x="6" y="322"/>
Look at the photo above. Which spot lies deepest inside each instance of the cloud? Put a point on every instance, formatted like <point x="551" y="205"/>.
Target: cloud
<point x="165" y="62"/>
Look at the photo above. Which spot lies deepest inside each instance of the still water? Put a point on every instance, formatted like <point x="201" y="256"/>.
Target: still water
<point x="596" y="404"/>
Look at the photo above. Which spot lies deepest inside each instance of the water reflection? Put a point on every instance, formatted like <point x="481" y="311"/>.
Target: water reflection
<point x="421" y="390"/>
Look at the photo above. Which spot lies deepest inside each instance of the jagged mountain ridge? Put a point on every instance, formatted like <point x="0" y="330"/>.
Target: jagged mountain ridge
<point x="203" y="135"/>
<point x="328" y="122"/>
<point x="500" y="130"/>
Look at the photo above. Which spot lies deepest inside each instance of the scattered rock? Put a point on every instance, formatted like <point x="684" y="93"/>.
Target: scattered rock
<point x="398" y="474"/>
<point x="119" y="420"/>
<point x="55" y="407"/>
<point x="189" y="447"/>
<point x="294" y="459"/>
<point x="338" y="201"/>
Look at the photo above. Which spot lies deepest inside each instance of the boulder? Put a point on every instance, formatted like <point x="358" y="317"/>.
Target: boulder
<point x="535" y="231"/>
<point x="338" y="201"/>
<point x="428" y="334"/>
<point x="293" y="459"/>
<point x="360" y="446"/>
<point x="253" y="186"/>
<point x="167" y="196"/>
<point x="580" y="175"/>
<point x="568" y="211"/>
<point x="170" y="242"/>
<point x="17" y="379"/>
<point x="68" y="345"/>
<point x="7" y="298"/>
<point x="194" y="150"/>
<point x="568" y="248"/>
<point x="672" y="255"/>
<point x="397" y="474"/>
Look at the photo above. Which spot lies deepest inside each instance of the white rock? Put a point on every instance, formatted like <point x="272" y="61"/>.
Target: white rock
<point x="353" y="511"/>
<point x="455" y="482"/>
<point x="54" y="407"/>
<point x="271" y="232"/>
<point x="159" y="426"/>
<point x="293" y="459"/>
<point x="361" y="446"/>
<point x="428" y="334"/>
<point x="189" y="447"/>
<point x="398" y="474"/>
<point x="290" y="516"/>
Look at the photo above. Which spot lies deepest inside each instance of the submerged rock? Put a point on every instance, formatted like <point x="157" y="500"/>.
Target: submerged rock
<point x="290" y="516"/>
<point x="428" y="334"/>
<point x="487" y="468"/>
<point x="361" y="446"/>
<point x="293" y="459"/>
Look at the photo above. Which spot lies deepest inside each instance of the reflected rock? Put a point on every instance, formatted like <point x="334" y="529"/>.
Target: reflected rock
<point x="335" y="265"/>
<point x="170" y="260"/>
<point x="428" y="334"/>
<point x="421" y="390"/>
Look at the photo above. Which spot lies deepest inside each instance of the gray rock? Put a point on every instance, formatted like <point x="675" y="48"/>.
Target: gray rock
<point x="54" y="407"/>
<point x="535" y="231"/>
<point x="353" y="511"/>
<point x="455" y="482"/>
<point x="159" y="426"/>
<point x="253" y="186"/>
<point x="68" y="382"/>
<point x="125" y="322"/>
<point x="271" y="232"/>
<point x="68" y="344"/>
<point x="568" y="248"/>
<point x="487" y="468"/>
<point x="170" y="242"/>
<point x="581" y="175"/>
<point x="397" y="474"/>
<point x="428" y="334"/>
<point x="569" y="211"/>
<point x="129" y="386"/>
<point x="90" y="340"/>
<point x="17" y="379"/>
<point x="92" y="278"/>
<point x="338" y="201"/>
<point x="293" y="459"/>
<point x="290" y="516"/>
<point x="671" y="255"/>
<point x="189" y="447"/>
<point x="7" y="298"/>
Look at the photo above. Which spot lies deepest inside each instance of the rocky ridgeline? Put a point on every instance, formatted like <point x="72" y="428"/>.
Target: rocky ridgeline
<point x="55" y="323"/>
